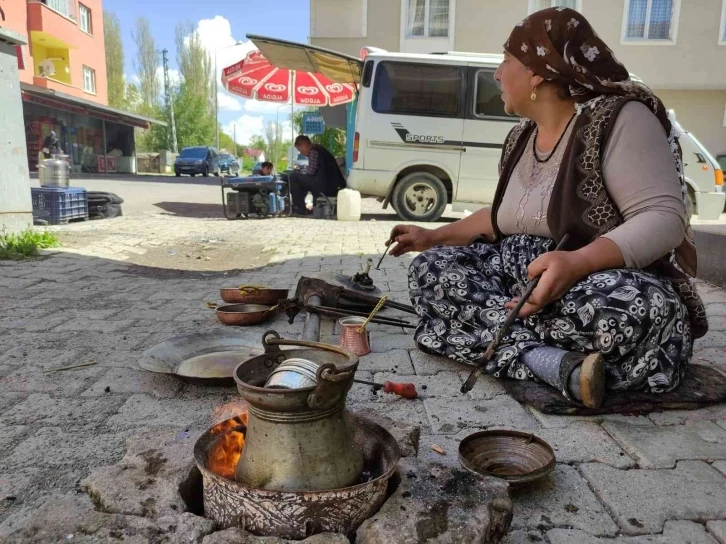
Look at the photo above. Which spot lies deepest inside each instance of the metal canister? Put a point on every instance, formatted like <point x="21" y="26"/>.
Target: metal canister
<point x="298" y="439"/>
<point x="57" y="172"/>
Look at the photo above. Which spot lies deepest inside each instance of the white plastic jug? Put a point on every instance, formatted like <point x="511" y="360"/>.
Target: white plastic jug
<point x="348" y="205"/>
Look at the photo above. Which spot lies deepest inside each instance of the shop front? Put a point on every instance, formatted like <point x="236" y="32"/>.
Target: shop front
<point x="96" y="138"/>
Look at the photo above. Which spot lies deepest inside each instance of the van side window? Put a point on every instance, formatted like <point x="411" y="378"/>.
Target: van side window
<point x="488" y="101"/>
<point x="417" y="89"/>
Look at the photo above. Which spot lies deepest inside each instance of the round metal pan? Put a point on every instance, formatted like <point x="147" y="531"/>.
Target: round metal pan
<point x="252" y="295"/>
<point x="201" y="358"/>
<point x="519" y="458"/>
<point x="245" y="314"/>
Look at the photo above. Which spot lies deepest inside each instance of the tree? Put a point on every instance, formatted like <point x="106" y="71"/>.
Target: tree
<point x="114" y="61"/>
<point x="146" y="64"/>
<point x="258" y="142"/>
<point x="195" y="64"/>
<point x="273" y="136"/>
<point x="194" y="125"/>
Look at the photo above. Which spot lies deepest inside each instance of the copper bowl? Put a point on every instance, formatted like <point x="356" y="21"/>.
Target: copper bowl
<point x="519" y="458"/>
<point x="252" y="295"/>
<point x="245" y="314"/>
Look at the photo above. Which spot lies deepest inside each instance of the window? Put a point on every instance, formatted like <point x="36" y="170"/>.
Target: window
<point x="650" y="20"/>
<point x="536" y="5"/>
<point x="89" y="80"/>
<point x="488" y="96"/>
<point x="428" y="18"/>
<point x="84" y="19"/>
<point x="417" y="89"/>
<point x="61" y="6"/>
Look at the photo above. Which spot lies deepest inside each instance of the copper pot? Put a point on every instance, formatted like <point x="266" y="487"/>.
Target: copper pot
<point x="298" y="439"/>
<point x="352" y="340"/>
<point x="252" y="295"/>
<point x="245" y="314"/>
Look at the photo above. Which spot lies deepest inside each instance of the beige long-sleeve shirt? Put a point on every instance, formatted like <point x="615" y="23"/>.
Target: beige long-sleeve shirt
<point x="639" y="175"/>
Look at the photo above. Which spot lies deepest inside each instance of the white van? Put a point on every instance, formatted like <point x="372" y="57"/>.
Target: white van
<point x="429" y="127"/>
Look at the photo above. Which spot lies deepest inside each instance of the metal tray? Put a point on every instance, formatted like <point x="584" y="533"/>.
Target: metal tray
<point x="204" y="358"/>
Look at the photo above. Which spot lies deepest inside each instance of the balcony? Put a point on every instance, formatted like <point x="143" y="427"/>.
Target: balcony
<point x="55" y="19"/>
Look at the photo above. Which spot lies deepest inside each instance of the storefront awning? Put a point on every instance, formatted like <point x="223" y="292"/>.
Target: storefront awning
<point x="65" y="102"/>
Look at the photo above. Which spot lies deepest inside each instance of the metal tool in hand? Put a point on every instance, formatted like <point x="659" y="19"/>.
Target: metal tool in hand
<point x="385" y="252"/>
<point x="511" y="316"/>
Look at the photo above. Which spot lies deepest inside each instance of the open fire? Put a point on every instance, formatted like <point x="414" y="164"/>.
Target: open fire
<point x="225" y="454"/>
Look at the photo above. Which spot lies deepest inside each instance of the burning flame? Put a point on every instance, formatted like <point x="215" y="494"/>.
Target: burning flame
<point x="225" y="453"/>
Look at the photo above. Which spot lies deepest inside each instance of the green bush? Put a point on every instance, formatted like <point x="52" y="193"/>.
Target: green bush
<point x="25" y="244"/>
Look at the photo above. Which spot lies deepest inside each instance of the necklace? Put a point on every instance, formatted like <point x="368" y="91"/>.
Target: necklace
<point x="534" y="142"/>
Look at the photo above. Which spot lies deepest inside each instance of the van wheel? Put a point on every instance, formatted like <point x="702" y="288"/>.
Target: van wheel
<point x="419" y="196"/>
<point x="690" y="203"/>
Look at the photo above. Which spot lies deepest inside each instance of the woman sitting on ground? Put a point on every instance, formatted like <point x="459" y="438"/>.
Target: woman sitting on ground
<point x="594" y="157"/>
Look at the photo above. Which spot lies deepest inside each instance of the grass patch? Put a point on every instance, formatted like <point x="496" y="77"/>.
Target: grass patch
<point x="17" y="246"/>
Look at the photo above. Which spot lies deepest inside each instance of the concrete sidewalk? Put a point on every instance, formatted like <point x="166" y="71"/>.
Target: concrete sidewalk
<point x="617" y="477"/>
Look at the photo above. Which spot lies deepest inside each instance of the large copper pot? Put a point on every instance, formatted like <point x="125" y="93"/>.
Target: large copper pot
<point x="298" y="439"/>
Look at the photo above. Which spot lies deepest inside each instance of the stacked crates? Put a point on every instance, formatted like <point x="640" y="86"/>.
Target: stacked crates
<point x="58" y="205"/>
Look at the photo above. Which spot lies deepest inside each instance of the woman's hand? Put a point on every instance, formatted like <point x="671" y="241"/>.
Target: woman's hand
<point x="558" y="272"/>
<point x="410" y="238"/>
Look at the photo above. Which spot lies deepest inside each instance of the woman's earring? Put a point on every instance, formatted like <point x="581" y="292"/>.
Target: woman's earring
<point x="533" y="96"/>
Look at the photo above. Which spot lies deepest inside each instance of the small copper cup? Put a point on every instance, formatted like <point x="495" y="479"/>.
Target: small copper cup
<point x="352" y="340"/>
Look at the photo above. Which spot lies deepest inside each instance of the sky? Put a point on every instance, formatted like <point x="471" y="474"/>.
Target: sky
<point x="220" y="24"/>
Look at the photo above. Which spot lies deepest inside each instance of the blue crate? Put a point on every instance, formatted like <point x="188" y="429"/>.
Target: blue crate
<point x="58" y="205"/>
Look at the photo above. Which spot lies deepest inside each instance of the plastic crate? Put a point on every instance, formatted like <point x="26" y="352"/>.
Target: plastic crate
<point x="58" y="205"/>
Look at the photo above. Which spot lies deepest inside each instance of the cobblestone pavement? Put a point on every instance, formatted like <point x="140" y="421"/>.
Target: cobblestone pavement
<point x="616" y="478"/>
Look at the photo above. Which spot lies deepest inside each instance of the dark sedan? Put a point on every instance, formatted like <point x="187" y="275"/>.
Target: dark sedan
<point x="229" y="164"/>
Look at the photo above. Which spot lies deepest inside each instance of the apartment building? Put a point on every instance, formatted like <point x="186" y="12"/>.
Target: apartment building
<point x="678" y="47"/>
<point x="62" y="72"/>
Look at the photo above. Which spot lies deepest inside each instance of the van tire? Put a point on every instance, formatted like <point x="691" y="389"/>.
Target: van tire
<point x="690" y="204"/>
<point x="413" y="194"/>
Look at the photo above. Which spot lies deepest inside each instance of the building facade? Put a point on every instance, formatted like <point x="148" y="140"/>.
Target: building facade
<point x="678" y="47"/>
<point x="62" y="72"/>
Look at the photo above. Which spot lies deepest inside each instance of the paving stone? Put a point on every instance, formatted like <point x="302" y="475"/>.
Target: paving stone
<point x="713" y="339"/>
<point x="396" y="361"/>
<point x="450" y="415"/>
<point x="550" y="421"/>
<point x="662" y="447"/>
<point x="441" y="385"/>
<point x="62" y="412"/>
<point x="524" y="537"/>
<point x="382" y="342"/>
<point x="427" y="365"/>
<point x="237" y="536"/>
<point x="679" y="417"/>
<point x="10" y="435"/>
<point x="561" y="499"/>
<point x="406" y="434"/>
<point x="34" y="379"/>
<point x="440" y="505"/>
<point x="448" y="443"/>
<point x="18" y="483"/>
<point x="142" y="410"/>
<point x="718" y="530"/>
<point x="485" y="388"/>
<point x="675" y="532"/>
<point x="146" y="482"/>
<point x="105" y="327"/>
<point x="642" y="500"/>
<point x="54" y="447"/>
<point x="407" y="411"/>
<point x="32" y="324"/>
<point x="127" y="381"/>
<point x="720" y="466"/>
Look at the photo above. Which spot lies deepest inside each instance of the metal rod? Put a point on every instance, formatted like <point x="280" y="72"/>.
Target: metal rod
<point x="373" y="300"/>
<point x="311" y="330"/>
<point x="385" y="252"/>
<point x="335" y="312"/>
<point x="511" y="316"/>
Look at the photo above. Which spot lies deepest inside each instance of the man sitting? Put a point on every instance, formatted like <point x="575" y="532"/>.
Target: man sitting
<point x="264" y="170"/>
<point x="322" y="174"/>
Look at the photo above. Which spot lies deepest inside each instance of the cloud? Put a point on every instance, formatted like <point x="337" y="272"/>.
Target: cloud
<point x="174" y="77"/>
<point x="228" y="102"/>
<point x="246" y="127"/>
<point x="216" y="37"/>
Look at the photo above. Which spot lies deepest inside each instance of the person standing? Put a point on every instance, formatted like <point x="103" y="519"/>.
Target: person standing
<point x="51" y="145"/>
<point x="321" y="175"/>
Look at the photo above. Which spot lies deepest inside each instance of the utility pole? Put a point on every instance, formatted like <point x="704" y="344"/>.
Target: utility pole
<point x="234" y="132"/>
<point x="169" y="100"/>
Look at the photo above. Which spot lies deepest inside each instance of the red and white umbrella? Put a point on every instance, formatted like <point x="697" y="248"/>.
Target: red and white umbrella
<point x="257" y="79"/>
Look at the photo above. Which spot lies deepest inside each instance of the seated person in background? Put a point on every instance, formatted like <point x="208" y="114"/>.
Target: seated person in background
<point x="322" y="174"/>
<point x="51" y="145"/>
<point x="266" y="168"/>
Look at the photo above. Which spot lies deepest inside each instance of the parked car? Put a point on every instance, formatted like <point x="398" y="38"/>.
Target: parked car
<point x="229" y="164"/>
<point x="300" y="162"/>
<point x="197" y="160"/>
